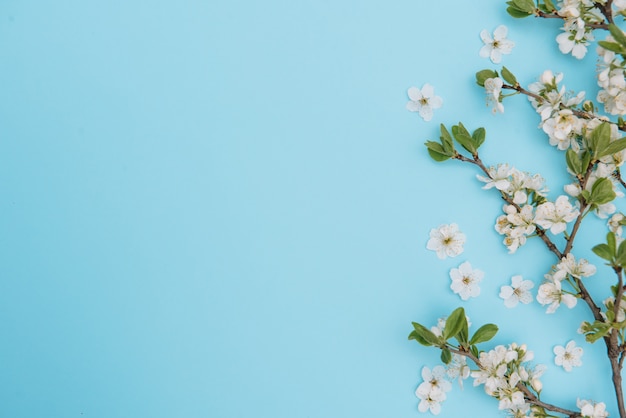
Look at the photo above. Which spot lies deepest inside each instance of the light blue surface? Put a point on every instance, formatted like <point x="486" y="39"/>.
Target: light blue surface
<point x="220" y="208"/>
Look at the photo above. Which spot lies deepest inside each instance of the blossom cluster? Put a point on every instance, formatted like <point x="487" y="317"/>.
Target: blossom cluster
<point x="552" y="293"/>
<point x="502" y="369"/>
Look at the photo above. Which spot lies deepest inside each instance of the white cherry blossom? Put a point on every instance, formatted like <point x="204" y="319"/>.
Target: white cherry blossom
<point x="423" y="101"/>
<point x="497" y="45"/>
<point x="575" y="38"/>
<point x="590" y="409"/>
<point x="447" y="241"/>
<point x="519" y="291"/>
<point x="430" y="400"/>
<point x="493" y="88"/>
<point x="465" y="280"/>
<point x="555" y="216"/>
<point x="568" y="356"/>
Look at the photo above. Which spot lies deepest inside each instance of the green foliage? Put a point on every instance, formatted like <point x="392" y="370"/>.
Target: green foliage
<point x="423" y="335"/>
<point x="484" y="334"/>
<point x="508" y="76"/>
<point x="454" y="323"/>
<point x="520" y="8"/>
<point x="601" y="192"/>
<point x="483" y="75"/>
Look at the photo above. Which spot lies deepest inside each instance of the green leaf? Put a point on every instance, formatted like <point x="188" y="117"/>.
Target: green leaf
<point x="423" y="335"/>
<point x="463" y="336"/>
<point x="573" y="161"/>
<point x="436" y="151"/>
<point x="621" y="254"/>
<point x="614" y="147"/>
<point x="549" y="6"/>
<point x="613" y="46"/>
<point x="454" y="323"/>
<point x="611" y="242"/>
<point x="599" y="139"/>
<point x="508" y="76"/>
<point x="525" y="5"/>
<point x="446" y="140"/>
<point x="585" y="158"/>
<point x="446" y="356"/>
<point x="483" y="75"/>
<point x="602" y="192"/>
<point x="516" y="13"/>
<point x="479" y="137"/>
<point x="617" y="34"/>
<point x="603" y="251"/>
<point x="475" y="351"/>
<point x="484" y="333"/>
<point x="466" y="142"/>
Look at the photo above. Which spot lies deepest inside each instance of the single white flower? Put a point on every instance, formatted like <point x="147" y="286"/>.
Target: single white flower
<point x="435" y="378"/>
<point x="447" y="241"/>
<point x="465" y="281"/>
<point x="497" y="45"/>
<point x="550" y="293"/>
<point x="555" y="216"/>
<point x="575" y="38"/>
<point x="592" y="410"/>
<point x="578" y="269"/>
<point x="519" y="291"/>
<point x="430" y="400"/>
<point x="498" y="177"/>
<point x="493" y="88"/>
<point x="615" y="223"/>
<point x="568" y="356"/>
<point x="458" y="369"/>
<point x="423" y="101"/>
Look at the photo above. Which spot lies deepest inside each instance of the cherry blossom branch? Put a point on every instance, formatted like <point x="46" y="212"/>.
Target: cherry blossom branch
<point x="604" y="26"/>
<point x="528" y="395"/>
<point x="541" y="233"/>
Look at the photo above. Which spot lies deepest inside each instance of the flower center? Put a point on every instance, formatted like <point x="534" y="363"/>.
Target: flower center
<point x="466" y="280"/>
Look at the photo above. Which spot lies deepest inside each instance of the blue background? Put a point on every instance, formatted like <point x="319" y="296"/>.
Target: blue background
<point x="220" y="208"/>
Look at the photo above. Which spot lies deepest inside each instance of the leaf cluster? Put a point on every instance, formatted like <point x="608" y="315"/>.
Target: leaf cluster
<point x="522" y="8"/>
<point x="445" y="148"/>
<point x="484" y="75"/>
<point x="611" y="252"/>
<point x="456" y="327"/>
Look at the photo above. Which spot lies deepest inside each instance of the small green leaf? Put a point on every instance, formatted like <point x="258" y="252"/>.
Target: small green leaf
<point x="549" y="6"/>
<point x="446" y="356"/>
<point x="611" y="242"/>
<point x="525" y="5"/>
<point x="516" y="13"/>
<point x="599" y="139"/>
<point x="446" y="140"/>
<point x="602" y="192"/>
<point x="508" y="76"/>
<point x="613" y="46"/>
<point x="424" y="335"/>
<point x="483" y="75"/>
<point x="463" y="336"/>
<point x="479" y="137"/>
<point x="475" y="351"/>
<point x="617" y="33"/>
<point x="614" y="147"/>
<point x="603" y="251"/>
<point x="454" y="323"/>
<point x="484" y="333"/>
<point x="466" y="142"/>
<point x="621" y="254"/>
<point x="573" y="161"/>
<point x="436" y="151"/>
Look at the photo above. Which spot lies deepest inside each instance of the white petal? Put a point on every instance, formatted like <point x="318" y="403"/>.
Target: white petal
<point x="414" y="94"/>
<point x="485" y="36"/>
<point x="495" y="56"/>
<point x="412" y="106"/>
<point x="428" y="91"/>
<point x="500" y="32"/>
<point x="435" y="102"/>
